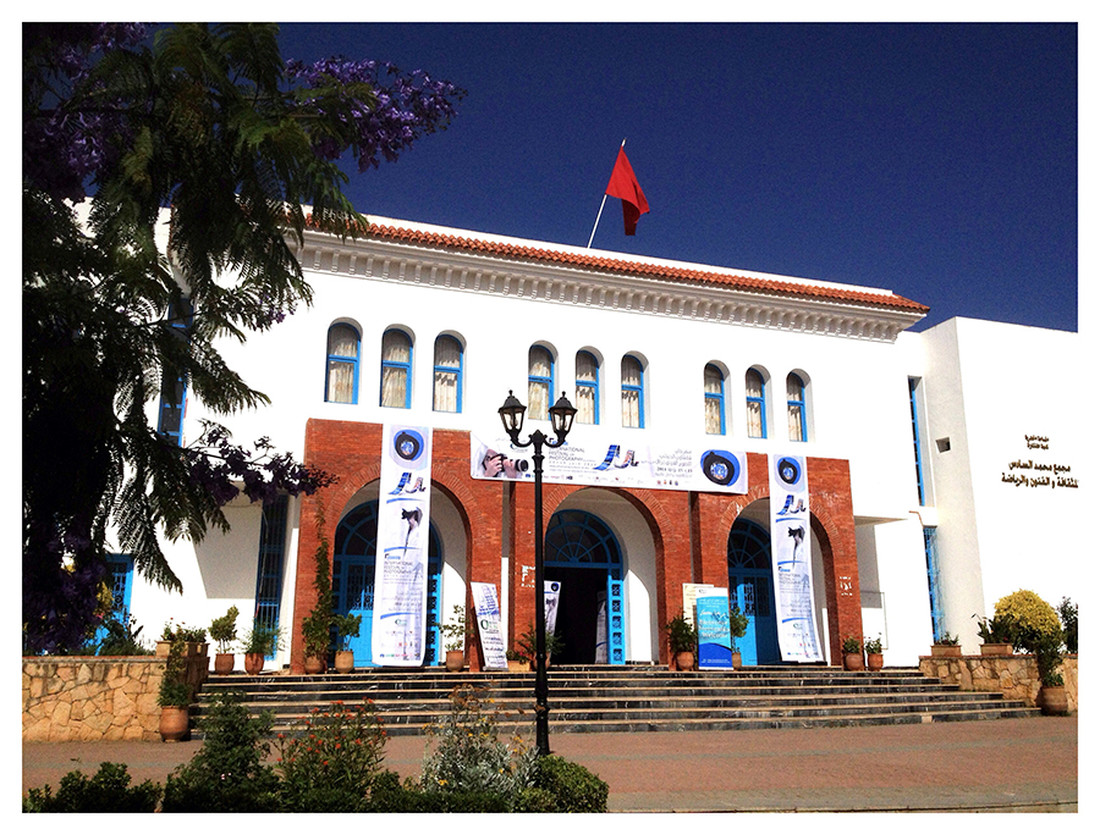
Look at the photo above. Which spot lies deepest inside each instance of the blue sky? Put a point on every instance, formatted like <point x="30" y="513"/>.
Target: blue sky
<point x="937" y="160"/>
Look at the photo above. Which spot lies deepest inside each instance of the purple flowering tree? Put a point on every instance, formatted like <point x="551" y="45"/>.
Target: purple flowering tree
<point x="213" y="123"/>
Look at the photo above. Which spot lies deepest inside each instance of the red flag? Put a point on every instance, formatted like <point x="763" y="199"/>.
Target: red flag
<point x="624" y="185"/>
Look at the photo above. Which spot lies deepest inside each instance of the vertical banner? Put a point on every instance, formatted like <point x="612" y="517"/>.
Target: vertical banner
<point x="601" y="628"/>
<point x="712" y="619"/>
<point x="552" y="590"/>
<point x="487" y="608"/>
<point x="401" y="573"/>
<point x="791" y="559"/>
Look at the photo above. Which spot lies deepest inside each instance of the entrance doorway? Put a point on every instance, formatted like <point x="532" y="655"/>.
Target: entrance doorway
<point x="353" y="562"/>
<point x="748" y="552"/>
<point x="583" y="555"/>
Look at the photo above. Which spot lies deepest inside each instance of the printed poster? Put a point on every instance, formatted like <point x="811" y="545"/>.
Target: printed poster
<point x="487" y="609"/>
<point x="712" y="616"/>
<point x="401" y="573"/>
<point x="791" y="559"/>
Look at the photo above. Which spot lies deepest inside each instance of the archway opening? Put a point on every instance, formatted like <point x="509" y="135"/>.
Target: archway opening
<point x="583" y="555"/>
<point x="749" y="558"/>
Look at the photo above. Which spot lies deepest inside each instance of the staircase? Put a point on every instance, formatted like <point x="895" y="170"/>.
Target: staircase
<point x="628" y="699"/>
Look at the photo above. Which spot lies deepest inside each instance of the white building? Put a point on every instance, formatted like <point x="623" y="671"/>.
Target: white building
<point x="925" y="452"/>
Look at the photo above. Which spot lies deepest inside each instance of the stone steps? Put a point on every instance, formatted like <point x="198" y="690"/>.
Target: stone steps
<point x="632" y="698"/>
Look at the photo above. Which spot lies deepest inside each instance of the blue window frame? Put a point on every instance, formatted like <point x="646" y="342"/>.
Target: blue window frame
<point x="913" y="383"/>
<point x="342" y="366"/>
<point x="796" y="408"/>
<point x="269" y="565"/>
<point x="756" y="404"/>
<point x="588" y="389"/>
<point x="935" y="597"/>
<point x="173" y="386"/>
<point x="633" y="393"/>
<point x="396" y="390"/>
<point x="120" y="579"/>
<point x="447" y="388"/>
<point x="714" y="400"/>
<point x="540" y="382"/>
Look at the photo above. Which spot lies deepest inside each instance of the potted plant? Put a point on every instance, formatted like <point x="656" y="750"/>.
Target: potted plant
<point x="682" y="639"/>
<point x="996" y="635"/>
<point x="1052" y="698"/>
<point x="1035" y="626"/>
<point x="518" y="660"/>
<point x="317" y="626"/>
<point x="260" y="642"/>
<point x="174" y="695"/>
<point x="853" y="653"/>
<point x="873" y="647"/>
<point x="347" y="628"/>
<point x="527" y="646"/>
<point x="454" y="635"/>
<point x="947" y="645"/>
<point x="224" y="632"/>
<point x="739" y="625"/>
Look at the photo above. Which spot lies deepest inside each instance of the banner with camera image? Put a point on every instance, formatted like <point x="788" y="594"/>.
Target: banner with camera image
<point x="792" y="559"/>
<point x="593" y="458"/>
<point x="401" y="570"/>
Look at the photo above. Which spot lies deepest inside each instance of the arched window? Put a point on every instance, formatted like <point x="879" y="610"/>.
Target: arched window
<point x="633" y="393"/>
<point x="447" y="390"/>
<point x="396" y="369"/>
<point x="588" y="388"/>
<point x="755" y="404"/>
<point x="714" y="401"/>
<point x="540" y="382"/>
<point x="342" y="373"/>
<point x="796" y="407"/>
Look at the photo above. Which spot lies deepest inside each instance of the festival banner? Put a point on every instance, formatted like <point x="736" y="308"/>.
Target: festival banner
<point x="487" y="609"/>
<point x="791" y="559"/>
<point x="592" y="458"/>
<point x="401" y="571"/>
<point x="712" y="620"/>
<point x="552" y="590"/>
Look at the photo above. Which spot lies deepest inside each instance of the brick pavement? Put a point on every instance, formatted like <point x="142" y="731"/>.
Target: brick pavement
<point x="1012" y="764"/>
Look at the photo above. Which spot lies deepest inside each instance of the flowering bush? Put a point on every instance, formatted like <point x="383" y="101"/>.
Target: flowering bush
<point x="468" y="755"/>
<point x="1029" y="618"/>
<point x="331" y="759"/>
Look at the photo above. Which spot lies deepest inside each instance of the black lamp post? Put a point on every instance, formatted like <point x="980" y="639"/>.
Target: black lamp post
<point x="561" y="421"/>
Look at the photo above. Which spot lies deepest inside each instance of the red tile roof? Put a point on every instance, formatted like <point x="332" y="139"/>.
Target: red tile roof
<point x="637" y="268"/>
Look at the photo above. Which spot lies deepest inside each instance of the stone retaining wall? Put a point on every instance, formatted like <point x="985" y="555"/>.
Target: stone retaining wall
<point x="1015" y="676"/>
<point x="94" y="698"/>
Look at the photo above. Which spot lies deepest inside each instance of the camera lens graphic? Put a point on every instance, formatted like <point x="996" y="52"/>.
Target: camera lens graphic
<point x="720" y="467"/>
<point x="788" y="470"/>
<point x="408" y="445"/>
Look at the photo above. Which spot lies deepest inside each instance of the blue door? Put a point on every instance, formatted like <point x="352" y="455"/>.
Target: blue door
<point x="353" y="565"/>
<point x="748" y="552"/>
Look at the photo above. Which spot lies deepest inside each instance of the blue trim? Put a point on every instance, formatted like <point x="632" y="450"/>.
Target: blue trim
<point x="352" y="360"/>
<point x="761" y="401"/>
<point x="173" y="391"/>
<point x="457" y="371"/>
<point x="120" y="579"/>
<point x="403" y="366"/>
<point x="548" y="381"/>
<point x="913" y="383"/>
<point x="751" y="585"/>
<point x="935" y="598"/>
<point x="593" y="384"/>
<point x="269" y="564"/>
<point x="719" y="396"/>
<point x="799" y="404"/>
<point x="638" y="389"/>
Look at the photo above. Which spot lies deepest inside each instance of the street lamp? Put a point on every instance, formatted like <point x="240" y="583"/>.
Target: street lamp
<point x="561" y="421"/>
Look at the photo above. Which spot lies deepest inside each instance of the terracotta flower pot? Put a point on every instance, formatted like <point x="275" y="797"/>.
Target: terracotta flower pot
<point x="947" y="650"/>
<point x="1052" y="700"/>
<point x="174" y="723"/>
<point x="736" y="659"/>
<point x="874" y="661"/>
<point x="314" y="665"/>
<point x="996" y="649"/>
<point x="685" y="660"/>
<point x="456" y="660"/>
<point x="253" y="663"/>
<point x="345" y="661"/>
<point x="853" y="662"/>
<point x="223" y="663"/>
<point x="520" y="665"/>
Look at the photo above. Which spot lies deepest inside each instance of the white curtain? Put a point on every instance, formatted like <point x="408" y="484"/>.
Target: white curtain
<point x="587" y="374"/>
<point x="795" y="406"/>
<point x="632" y="392"/>
<point x="396" y="355"/>
<point x="539" y="368"/>
<point x="754" y="401"/>
<point x="448" y="364"/>
<point x="343" y="352"/>
<point x="712" y="400"/>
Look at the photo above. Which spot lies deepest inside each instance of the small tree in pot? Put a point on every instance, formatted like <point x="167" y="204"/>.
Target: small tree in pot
<point x="682" y="640"/>
<point x="455" y="633"/>
<point x="873" y="647"/>
<point x="224" y="632"/>
<point x="174" y="696"/>
<point x="261" y="642"/>
<point x="739" y="625"/>
<point x="347" y="628"/>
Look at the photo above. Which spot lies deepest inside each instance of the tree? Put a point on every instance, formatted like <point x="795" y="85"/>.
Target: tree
<point x="211" y="122"/>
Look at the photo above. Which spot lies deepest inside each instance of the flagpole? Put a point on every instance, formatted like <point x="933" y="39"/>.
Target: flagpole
<point x="602" y="203"/>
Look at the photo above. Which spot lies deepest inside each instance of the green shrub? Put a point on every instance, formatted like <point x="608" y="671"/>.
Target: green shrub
<point x="122" y="639"/>
<point x="331" y="760"/>
<point x="1067" y="611"/>
<point x="229" y="772"/>
<point x="108" y="791"/>
<point x="565" y="787"/>
<point x="1029" y="619"/>
<point x="390" y="796"/>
